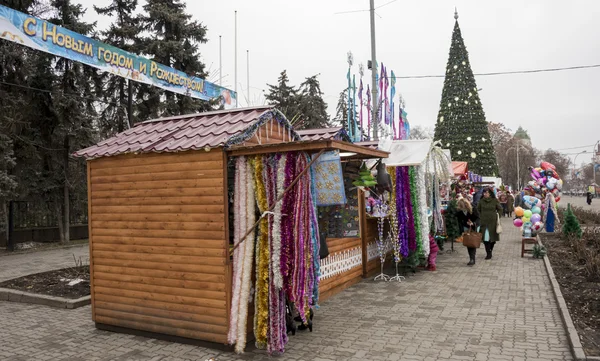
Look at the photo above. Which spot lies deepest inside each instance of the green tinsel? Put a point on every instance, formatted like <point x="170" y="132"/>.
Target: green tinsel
<point x="414" y="195"/>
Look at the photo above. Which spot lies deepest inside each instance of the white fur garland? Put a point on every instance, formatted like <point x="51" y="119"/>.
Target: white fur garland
<point x="250" y="219"/>
<point x="421" y="188"/>
<point x="239" y="203"/>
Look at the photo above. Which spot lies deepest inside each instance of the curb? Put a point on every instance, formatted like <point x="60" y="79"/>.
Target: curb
<point x="574" y="341"/>
<point x="5" y="253"/>
<point x="7" y="294"/>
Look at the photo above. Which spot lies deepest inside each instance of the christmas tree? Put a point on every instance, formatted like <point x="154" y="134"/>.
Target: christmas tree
<point x="461" y="125"/>
<point x="452" y="226"/>
<point x="571" y="227"/>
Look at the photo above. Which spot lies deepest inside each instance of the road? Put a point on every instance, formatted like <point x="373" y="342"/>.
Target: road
<point x="580" y="202"/>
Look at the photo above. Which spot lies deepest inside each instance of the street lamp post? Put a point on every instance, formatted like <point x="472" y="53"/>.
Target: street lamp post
<point x="575" y="161"/>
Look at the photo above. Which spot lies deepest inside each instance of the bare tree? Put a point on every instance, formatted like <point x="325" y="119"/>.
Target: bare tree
<point x="421" y="132"/>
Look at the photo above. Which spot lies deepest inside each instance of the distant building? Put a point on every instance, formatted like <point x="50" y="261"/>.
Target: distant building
<point x="522" y="135"/>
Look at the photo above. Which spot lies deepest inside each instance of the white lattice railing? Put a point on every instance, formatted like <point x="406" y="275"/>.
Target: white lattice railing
<point x="340" y="262"/>
<point x="373" y="253"/>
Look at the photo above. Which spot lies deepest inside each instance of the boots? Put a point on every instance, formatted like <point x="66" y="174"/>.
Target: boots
<point x="472" y="253"/>
<point x="489" y="246"/>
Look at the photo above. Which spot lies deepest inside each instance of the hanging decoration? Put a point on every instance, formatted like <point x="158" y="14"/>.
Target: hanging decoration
<point x="401" y="212"/>
<point x="246" y="256"/>
<point x="414" y="196"/>
<point x="287" y="247"/>
<point x="261" y="295"/>
<point x="238" y="255"/>
<point x="408" y="207"/>
<point x="422" y="189"/>
<point x="328" y="179"/>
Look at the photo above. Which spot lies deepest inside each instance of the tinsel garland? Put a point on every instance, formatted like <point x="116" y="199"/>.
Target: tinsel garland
<point x="276" y="332"/>
<point x="408" y="206"/>
<point x="261" y="302"/>
<point x="268" y="116"/>
<point x="287" y="226"/>
<point x="248" y="258"/>
<point x="239" y="201"/>
<point x="401" y="212"/>
<point x="414" y="196"/>
<point x="300" y="237"/>
<point x="314" y="223"/>
<point x="394" y="230"/>
<point x="422" y="189"/>
<point x="276" y="236"/>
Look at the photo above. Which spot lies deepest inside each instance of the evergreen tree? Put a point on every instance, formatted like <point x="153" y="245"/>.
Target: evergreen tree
<point x="461" y="125"/>
<point x="571" y="226"/>
<point x="74" y="114"/>
<point x="341" y="110"/>
<point x="451" y="221"/>
<point x="173" y="41"/>
<point x="284" y="96"/>
<point x="123" y="32"/>
<point x="312" y="106"/>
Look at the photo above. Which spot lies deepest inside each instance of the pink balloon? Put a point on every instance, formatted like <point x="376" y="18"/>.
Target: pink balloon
<point x="518" y="222"/>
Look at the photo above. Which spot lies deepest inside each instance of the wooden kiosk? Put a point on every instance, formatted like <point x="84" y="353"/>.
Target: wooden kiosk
<point x="158" y="210"/>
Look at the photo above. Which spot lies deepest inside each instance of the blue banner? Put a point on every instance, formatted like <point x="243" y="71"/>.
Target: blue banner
<point x="44" y="36"/>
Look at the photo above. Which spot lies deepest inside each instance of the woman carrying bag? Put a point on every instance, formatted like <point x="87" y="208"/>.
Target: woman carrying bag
<point x="489" y="210"/>
<point x="467" y="220"/>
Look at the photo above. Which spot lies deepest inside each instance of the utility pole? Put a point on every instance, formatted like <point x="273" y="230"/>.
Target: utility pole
<point x="594" y="157"/>
<point x="375" y="108"/>
<point x="235" y="63"/>
<point x="220" y="64"/>
<point x="248" y="76"/>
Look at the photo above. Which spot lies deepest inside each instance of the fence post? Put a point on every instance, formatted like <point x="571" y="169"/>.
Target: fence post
<point x="11" y="226"/>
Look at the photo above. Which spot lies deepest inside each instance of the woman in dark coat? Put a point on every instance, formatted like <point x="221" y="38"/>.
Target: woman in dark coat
<point x="489" y="209"/>
<point x="467" y="218"/>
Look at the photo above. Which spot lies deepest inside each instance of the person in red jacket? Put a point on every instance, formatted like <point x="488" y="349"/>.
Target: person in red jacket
<point x="433" y="251"/>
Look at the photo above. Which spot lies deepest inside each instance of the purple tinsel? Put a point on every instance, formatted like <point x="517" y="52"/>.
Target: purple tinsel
<point x="412" y="236"/>
<point x="401" y="213"/>
<point x="287" y="225"/>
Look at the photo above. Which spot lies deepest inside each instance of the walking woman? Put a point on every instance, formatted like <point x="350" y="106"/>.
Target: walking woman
<point x="489" y="209"/>
<point x="511" y="203"/>
<point x="467" y="218"/>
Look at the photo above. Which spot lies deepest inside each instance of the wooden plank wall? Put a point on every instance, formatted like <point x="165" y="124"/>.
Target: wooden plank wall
<point x="158" y="243"/>
<point x="337" y="283"/>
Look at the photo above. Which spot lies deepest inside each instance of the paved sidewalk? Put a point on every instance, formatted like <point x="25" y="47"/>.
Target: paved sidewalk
<point x="502" y="309"/>
<point x="17" y="265"/>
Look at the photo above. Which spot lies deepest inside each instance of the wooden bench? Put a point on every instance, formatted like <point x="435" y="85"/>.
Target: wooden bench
<point x="527" y="240"/>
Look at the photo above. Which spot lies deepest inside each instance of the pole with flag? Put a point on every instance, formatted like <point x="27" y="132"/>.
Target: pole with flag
<point x="368" y="111"/>
<point x="349" y="120"/>
<point x="354" y="122"/>
<point x="392" y="95"/>
<point x="361" y="71"/>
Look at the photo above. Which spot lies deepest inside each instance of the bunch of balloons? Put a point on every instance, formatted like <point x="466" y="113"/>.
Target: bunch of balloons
<point x="529" y="219"/>
<point x="545" y="179"/>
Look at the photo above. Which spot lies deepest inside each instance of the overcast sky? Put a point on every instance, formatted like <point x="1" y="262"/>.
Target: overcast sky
<point x="560" y="109"/>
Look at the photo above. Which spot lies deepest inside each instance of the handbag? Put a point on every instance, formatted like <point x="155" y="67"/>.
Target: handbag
<point x="472" y="239"/>
<point x="498" y="225"/>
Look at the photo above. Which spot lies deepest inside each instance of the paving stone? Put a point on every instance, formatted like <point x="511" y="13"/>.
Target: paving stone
<point x="500" y="309"/>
